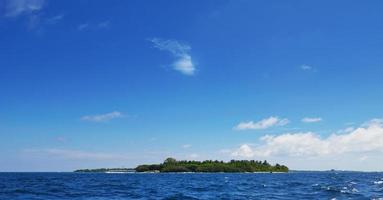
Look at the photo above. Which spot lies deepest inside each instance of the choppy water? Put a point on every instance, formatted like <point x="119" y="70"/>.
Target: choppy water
<point x="315" y="185"/>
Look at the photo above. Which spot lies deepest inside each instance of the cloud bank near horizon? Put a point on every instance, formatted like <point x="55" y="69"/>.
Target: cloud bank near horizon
<point x="356" y="144"/>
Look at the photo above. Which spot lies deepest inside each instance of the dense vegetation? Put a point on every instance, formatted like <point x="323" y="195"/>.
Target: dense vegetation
<point x="172" y="165"/>
<point x="101" y="170"/>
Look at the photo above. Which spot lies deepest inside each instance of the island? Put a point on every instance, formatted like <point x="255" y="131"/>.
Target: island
<point x="108" y="170"/>
<point x="207" y="166"/>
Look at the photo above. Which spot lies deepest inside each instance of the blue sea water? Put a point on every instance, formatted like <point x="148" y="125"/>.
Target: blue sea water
<point x="100" y="186"/>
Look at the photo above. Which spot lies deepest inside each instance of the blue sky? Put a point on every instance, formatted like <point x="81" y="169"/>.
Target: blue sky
<point x="87" y="84"/>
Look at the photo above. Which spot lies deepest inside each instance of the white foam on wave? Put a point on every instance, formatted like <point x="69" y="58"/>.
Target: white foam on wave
<point x="378" y="182"/>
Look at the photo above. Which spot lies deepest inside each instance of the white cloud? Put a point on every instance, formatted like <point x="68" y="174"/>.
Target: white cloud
<point x="308" y="150"/>
<point x="244" y="151"/>
<point x="184" y="65"/>
<point x="14" y="8"/>
<point x="186" y="146"/>
<point x="311" y="119"/>
<point x="263" y="124"/>
<point x="183" y="62"/>
<point x="102" y="117"/>
<point x="306" y="67"/>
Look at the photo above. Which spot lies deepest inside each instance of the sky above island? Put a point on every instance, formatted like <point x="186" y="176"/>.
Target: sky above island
<point x="87" y="84"/>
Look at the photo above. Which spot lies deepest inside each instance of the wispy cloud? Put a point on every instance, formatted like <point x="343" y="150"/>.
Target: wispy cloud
<point x="102" y="117"/>
<point x="180" y="51"/>
<point x="14" y="8"/>
<point x="82" y="26"/>
<point x="186" y="146"/>
<point x="365" y="139"/>
<point x="262" y="124"/>
<point x="32" y="11"/>
<point x="346" y="130"/>
<point x="61" y="139"/>
<point x="54" y="19"/>
<point x="93" y="26"/>
<point x="306" y="67"/>
<point x="311" y="119"/>
<point x="104" y="24"/>
<point x="77" y="154"/>
<point x="193" y="156"/>
<point x="34" y="21"/>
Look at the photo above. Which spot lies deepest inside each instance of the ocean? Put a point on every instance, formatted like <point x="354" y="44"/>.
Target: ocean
<point x="101" y="186"/>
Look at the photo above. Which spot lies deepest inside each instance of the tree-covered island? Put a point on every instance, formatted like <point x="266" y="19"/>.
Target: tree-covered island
<point x="172" y="165"/>
<point x="107" y="170"/>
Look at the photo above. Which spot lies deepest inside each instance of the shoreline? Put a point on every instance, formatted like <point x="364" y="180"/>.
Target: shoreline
<point x="290" y="172"/>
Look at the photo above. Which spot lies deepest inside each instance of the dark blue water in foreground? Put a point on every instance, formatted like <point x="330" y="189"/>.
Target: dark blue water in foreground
<point x="315" y="185"/>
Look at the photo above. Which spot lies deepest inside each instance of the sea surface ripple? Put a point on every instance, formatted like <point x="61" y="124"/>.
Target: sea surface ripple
<point x="100" y="186"/>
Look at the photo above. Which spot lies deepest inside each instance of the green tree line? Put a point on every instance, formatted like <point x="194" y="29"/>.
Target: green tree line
<point x="172" y="165"/>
